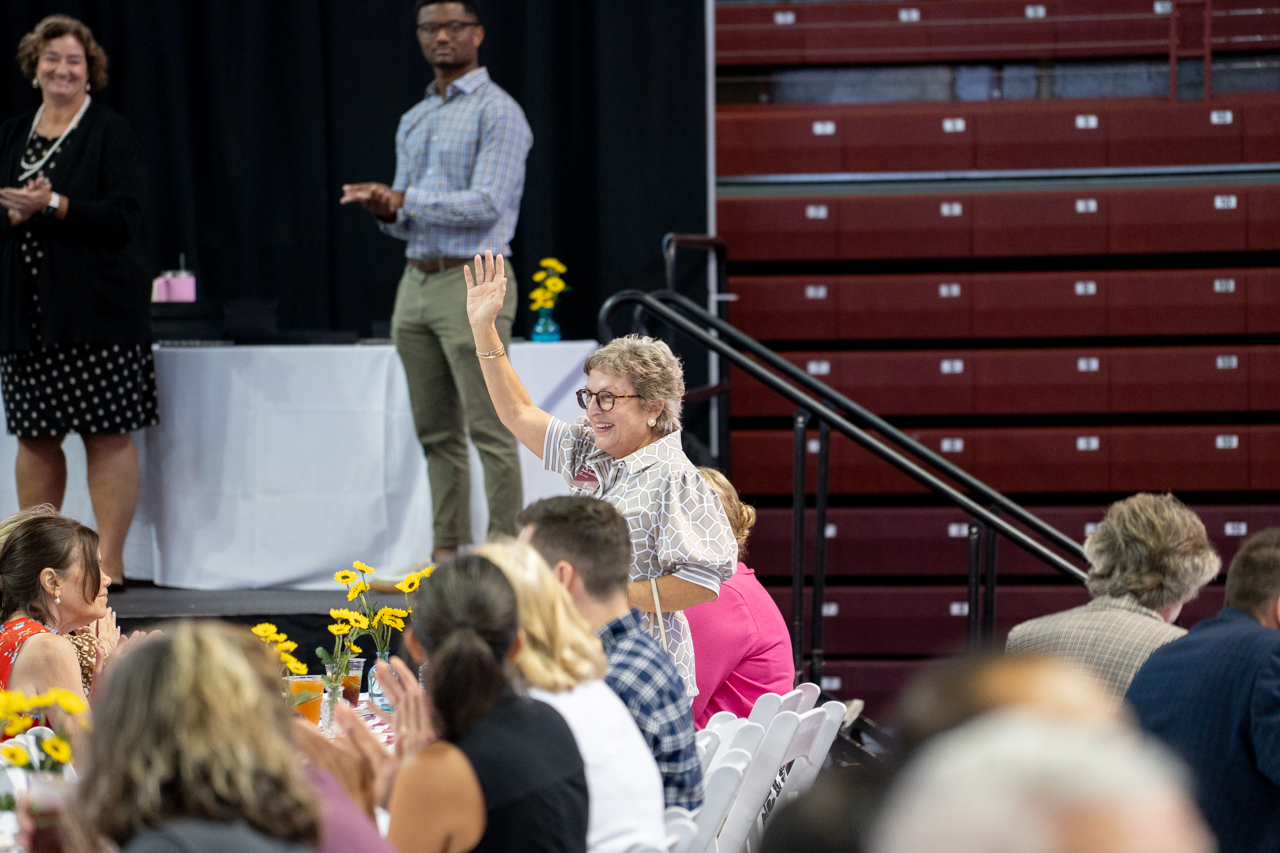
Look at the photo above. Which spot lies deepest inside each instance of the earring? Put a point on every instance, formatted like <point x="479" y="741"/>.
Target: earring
<point x="35" y="84"/>
<point x="58" y="600"/>
<point x="653" y="422"/>
<point x="87" y="87"/>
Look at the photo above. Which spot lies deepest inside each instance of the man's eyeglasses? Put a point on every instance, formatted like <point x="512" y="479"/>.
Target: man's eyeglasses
<point x="453" y="28"/>
<point x="603" y="399"/>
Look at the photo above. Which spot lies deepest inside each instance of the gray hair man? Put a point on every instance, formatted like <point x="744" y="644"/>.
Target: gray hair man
<point x="1014" y="782"/>
<point x="1148" y="557"/>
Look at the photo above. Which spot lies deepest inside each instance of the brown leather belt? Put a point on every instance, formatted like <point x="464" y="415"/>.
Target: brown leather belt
<point x="431" y="266"/>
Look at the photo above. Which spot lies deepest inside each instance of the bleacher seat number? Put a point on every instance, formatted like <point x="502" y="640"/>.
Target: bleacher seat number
<point x="815" y="291"/>
<point x="909" y="16"/>
<point x="1087" y="442"/>
<point x="953" y="125"/>
<point x="1088" y="365"/>
<point x="953" y="445"/>
<point x="1086" y="122"/>
<point x="952" y="208"/>
<point x="957" y="530"/>
<point x="1086" y="205"/>
<point x="824" y="128"/>
<point x="831" y="683"/>
<point x="1090" y="528"/>
<point x="830" y="531"/>
<point x="1162" y="7"/>
<point x="1224" y="202"/>
<point x="1086" y="288"/>
<point x="830" y="608"/>
<point x="1228" y="362"/>
<point x="1236" y="528"/>
<point x="959" y="608"/>
<point x="1035" y="10"/>
<point x="949" y="290"/>
<point x="1224" y="285"/>
<point x="815" y="211"/>
<point x="1221" y="117"/>
<point x="818" y="367"/>
<point x="812" y="445"/>
<point x="1226" y="442"/>
<point x="784" y="18"/>
<point x="952" y="365"/>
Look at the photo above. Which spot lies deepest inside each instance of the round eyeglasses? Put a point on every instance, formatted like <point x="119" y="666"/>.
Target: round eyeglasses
<point x="603" y="399"/>
<point x="453" y="28"/>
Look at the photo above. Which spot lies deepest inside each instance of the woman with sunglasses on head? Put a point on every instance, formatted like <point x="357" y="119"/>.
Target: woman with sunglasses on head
<point x="625" y="451"/>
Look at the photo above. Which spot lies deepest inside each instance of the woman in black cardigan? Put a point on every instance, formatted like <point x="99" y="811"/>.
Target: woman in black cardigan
<point x="75" y="352"/>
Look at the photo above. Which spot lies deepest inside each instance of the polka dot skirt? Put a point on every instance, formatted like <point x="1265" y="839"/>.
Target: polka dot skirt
<point x="63" y="388"/>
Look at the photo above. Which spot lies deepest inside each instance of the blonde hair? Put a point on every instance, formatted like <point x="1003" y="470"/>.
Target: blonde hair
<point x="193" y="724"/>
<point x="653" y="370"/>
<point x="1151" y="547"/>
<point x="559" y="651"/>
<point x="742" y="517"/>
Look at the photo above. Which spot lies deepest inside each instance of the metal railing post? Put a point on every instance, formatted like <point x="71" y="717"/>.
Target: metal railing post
<point x="801" y="422"/>
<point x="820" y="551"/>
<point x="989" y="585"/>
<point x="975" y="552"/>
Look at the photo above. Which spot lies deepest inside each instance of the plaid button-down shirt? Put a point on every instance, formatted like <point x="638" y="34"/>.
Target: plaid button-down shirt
<point x="647" y="683"/>
<point x="1110" y="636"/>
<point x="460" y="164"/>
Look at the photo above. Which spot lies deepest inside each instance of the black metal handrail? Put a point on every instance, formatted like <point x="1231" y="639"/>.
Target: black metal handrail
<point x="873" y="421"/>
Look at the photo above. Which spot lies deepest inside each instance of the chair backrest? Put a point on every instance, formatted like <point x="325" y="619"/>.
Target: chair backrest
<point x="708" y="741"/>
<point x="741" y="734"/>
<point x="642" y="847"/>
<point x="792" y="700"/>
<point x="719" y="789"/>
<point x="806" y="766"/>
<point x="768" y="705"/>
<point x="758" y="781"/>
<point x="681" y="831"/>
<point x="810" y="692"/>
<point x="720" y="718"/>
<point x="800" y="745"/>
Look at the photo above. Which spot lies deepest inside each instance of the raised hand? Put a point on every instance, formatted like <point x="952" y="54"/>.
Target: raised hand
<point x="486" y="290"/>
<point x="411" y="721"/>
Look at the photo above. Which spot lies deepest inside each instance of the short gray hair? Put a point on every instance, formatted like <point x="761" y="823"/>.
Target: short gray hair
<point x="1002" y="783"/>
<point x="653" y="370"/>
<point x="1151" y="547"/>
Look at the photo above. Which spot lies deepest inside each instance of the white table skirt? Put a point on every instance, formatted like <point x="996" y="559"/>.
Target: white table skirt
<point x="277" y="466"/>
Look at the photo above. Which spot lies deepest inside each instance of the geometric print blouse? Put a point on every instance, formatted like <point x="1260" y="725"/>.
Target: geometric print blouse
<point x="678" y="526"/>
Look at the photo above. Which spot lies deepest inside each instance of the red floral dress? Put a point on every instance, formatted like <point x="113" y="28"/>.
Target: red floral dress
<point x="13" y="635"/>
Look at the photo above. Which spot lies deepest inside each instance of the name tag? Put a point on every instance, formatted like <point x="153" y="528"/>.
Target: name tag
<point x="585" y="479"/>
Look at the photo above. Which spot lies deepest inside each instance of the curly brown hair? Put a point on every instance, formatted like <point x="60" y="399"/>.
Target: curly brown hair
<point x="55" y="27"/>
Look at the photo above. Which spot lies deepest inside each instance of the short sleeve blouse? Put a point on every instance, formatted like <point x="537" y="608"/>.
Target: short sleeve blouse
<point x="678" y="526"/>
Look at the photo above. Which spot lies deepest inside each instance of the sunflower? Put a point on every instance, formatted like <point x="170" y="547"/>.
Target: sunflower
<point x="553" y="264"/>
<point x="296" y="666"/>
<point x="346" y="576"/>
<point x="408" y="585"/>
<point x="342" y="613"/>
<point x="356" y="590"/>
<point x="287" y="646"/>
<point x="18" y="725"/>
<point x="555" y="284"/>
<point x="359" y="620"/>
<point x="339" y="628"/>
<point x="363" y="569"/>
<point x="354" y="648"/>
<point x="540" y="275"/>
<point x="59" y="750"/>
<point x="264" y="629"/>
<point x="14" y="754"/>
<point x="67" y="700"/>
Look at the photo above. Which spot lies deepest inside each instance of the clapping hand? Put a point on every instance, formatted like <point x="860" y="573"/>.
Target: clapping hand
<point x="378" y="199"/>
<point x="486" y="290"/>
<point x="24" y="202"/>
<point x="411" y="721"/>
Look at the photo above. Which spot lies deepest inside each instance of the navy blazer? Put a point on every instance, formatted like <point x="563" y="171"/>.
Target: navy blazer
<point x="1214" y="697"/>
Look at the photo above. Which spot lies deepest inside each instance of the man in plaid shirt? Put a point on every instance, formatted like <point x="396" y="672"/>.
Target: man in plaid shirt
<point x="460" y="157"/>
<point x="588" y="545"/>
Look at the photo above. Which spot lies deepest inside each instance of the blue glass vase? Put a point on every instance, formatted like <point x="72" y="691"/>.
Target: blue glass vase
<point x="546" y="329"/>
<point x="376" y="696"/>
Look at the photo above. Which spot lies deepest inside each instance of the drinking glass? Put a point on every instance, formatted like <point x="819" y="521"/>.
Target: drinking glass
<point x="351" y="681"/>
<point x="313" y="684"/>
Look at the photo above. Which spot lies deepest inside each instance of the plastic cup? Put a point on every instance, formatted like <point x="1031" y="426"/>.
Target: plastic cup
<point x="351" y="681"/>
<point x="312" y="683"/>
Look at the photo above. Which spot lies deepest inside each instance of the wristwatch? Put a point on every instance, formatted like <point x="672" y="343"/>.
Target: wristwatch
<point x="55" y="201"/>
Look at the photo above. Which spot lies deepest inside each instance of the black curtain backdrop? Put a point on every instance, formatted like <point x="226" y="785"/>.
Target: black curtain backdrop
<point x="252" y="113"/>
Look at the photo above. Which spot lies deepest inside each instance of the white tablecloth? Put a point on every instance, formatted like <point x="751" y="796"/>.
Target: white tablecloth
<point x="277" y="466"/>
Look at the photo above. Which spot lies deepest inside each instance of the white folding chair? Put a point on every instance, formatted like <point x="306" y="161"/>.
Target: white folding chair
<point x="758" y="781"/>
<point x="810" y="758"/>
<point x="768" y="705"/>
<point x="719" y="789"/>
<point x="811" y="692"/>
<point x="643" y="847"/>
<point x="721" y="718"/>
<point x="738" y="734"/>
<point x="708" y="742"/>
<point x="680" y="834"/>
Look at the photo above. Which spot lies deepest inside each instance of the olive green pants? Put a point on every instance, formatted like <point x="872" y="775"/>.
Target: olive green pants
<point x="449" y="400"/>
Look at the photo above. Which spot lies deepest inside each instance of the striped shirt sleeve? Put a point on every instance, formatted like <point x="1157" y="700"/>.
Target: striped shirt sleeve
<point x="694" y="534"/>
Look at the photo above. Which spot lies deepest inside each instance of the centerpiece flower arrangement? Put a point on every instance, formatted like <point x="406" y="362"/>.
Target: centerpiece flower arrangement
<point x="284" y="647"/>
<point x="544" y="297"/>
<point x="33" y="746"/>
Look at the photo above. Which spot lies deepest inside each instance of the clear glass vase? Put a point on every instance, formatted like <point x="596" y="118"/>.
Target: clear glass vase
<point x="375" y="689"/>
<point x="546" y="329"/>
<point x="329" y="703"/>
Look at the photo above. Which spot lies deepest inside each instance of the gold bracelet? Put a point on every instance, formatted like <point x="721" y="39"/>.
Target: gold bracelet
<point x="493" y="353"/>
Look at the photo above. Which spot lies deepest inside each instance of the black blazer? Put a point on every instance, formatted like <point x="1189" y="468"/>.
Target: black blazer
<point x="94" y="283"/>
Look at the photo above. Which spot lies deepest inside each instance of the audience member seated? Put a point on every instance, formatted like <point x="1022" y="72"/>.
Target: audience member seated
<point x="191" y="751"/>
<point x="588" y="545"/>
<point x="476" y="767"/>
<point x="1148" y="557"/>
<point x="740" y="640"/>
<point x="51" y="584"/>
<point x="562" y="663"/>
<point x="952" y="691"/>
<point x="1214" y="697"/>
<point x="1017" y="782"/>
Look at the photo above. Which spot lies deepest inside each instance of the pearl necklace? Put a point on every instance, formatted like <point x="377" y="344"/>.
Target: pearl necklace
<point x="29" y="169"/>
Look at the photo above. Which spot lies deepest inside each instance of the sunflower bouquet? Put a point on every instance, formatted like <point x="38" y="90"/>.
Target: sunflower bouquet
<point x="284" y="648"/>
<point x="376" y="623"/>
<point x="550" y="284"/>
<point x="32" y="747"/>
